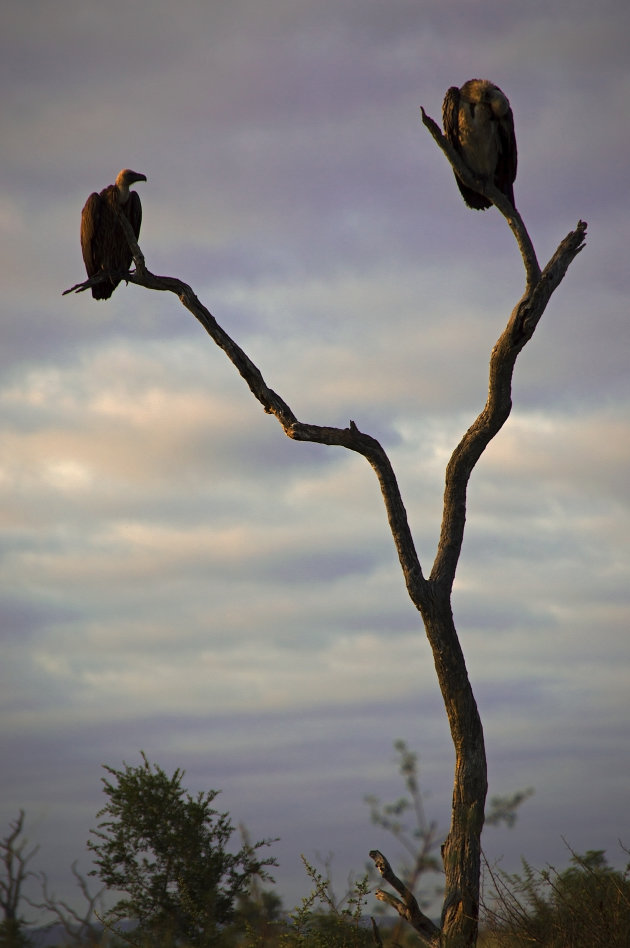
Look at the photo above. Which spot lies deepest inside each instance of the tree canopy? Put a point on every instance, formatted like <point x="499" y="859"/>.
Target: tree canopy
<point x="166" y="851"/>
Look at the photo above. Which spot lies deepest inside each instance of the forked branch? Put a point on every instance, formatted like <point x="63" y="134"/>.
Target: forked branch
<point x="407" y="907"/>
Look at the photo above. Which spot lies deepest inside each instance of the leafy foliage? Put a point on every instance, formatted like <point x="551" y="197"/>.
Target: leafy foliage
<point x="335" y="926"/>
<point x="503" y="809"/>
<point x="167" y="852"/>
<point x="13" y="934"/>
<point x="584" y="906"/>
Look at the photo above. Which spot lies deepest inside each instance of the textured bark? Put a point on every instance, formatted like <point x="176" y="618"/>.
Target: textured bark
<point x="407" y="907"/>
<point x="432" y="597"/>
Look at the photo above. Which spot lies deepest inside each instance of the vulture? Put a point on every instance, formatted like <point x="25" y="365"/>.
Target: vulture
<point x="479" y="124"/>
<point x="103" y="243"/>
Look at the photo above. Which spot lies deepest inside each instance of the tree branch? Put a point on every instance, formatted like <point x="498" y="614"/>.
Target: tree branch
<point x="78" y="928"/>
<point x="407" y="907"/>
<point x="520" y="328"/>
<point x="350" y="438"/>
<point x="493" y="194"/>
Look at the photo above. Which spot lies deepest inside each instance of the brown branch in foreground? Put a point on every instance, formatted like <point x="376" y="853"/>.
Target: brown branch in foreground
<point x="407" y="907"/>
<point x="519" y="330"/>
<point x="350" y="437"/>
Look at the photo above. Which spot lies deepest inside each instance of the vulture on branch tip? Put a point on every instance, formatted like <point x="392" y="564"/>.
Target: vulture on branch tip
<point x="103" y="241"/>
<point x="479" y="124"/>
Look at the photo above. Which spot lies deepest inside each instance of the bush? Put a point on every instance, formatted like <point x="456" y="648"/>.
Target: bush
<point x="167" y="852"/>
<point x="585" y="906"/>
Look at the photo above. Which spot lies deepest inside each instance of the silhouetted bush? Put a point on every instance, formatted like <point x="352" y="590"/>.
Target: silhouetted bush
<point x="584" y="906"/>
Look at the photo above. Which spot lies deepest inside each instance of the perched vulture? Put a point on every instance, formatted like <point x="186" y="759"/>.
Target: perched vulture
<point x="103" y="242"/>
<point x="479" y="124"/>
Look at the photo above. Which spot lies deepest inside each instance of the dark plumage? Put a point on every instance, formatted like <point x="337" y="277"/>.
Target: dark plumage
<point x="103" y="243"/>
<point x="479" y="124"/>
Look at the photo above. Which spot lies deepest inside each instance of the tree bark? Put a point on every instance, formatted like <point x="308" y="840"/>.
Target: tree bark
<point x="461" y="851"/>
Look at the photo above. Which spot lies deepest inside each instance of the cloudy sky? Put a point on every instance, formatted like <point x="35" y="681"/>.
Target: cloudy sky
<point x="177" y="576"/>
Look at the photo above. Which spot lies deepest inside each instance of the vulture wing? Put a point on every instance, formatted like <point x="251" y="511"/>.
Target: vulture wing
<point x="507" y="160"/>
<point x="450" y="116"/>
<point x="450" y="119"/>
<point x="134" y="212"/>
<point x="90" y="223"/>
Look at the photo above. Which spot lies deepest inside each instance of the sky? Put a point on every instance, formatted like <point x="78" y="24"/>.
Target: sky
<point x="181" y="579"/>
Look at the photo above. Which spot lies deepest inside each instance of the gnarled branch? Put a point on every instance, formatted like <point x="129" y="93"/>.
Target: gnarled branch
<point x="407" y="907"/>
<point x="350" y="437"/>
<point x="519" y="330"/>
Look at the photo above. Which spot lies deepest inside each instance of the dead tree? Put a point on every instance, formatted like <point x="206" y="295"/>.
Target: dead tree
<point x="15" y="859"/>
<point x="80" y="929"/>
<point x="461" y="852"/>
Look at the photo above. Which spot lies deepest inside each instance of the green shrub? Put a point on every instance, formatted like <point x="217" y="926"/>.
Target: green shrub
<point x="584" y="906"/>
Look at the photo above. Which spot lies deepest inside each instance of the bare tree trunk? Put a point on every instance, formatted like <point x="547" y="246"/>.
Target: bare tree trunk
<point x="461" y="851"/>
